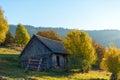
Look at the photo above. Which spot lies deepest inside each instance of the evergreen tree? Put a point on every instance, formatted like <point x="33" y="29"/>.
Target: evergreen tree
<point x="79" y="45"/>
<point x="3" y="27"/>
<point x="9" y="39"/>
<point x="21" y="35"/>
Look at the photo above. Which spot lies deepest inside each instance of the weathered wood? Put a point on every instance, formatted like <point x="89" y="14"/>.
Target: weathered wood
<point x="62" y="60"/>
<point x="39" y="66"/>
<point x="34" y="64"/>
<point x="52" y="54"/>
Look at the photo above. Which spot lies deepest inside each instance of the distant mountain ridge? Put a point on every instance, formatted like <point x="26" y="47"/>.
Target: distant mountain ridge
<point x="104" y="37"/>
<point x="33" y="30"/>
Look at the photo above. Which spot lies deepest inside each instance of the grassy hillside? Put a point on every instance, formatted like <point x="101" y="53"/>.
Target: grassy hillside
<point x="10" y="69"/>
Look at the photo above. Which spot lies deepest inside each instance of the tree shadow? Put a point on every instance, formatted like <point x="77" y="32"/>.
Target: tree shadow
<point x="10" y="66"/>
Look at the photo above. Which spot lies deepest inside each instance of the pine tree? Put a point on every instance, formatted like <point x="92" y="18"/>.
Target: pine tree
<point x="79" y="45"/>
<point x="9" y="39"/>
<point x="3" y="27"/>
<point x="21" y="35"/>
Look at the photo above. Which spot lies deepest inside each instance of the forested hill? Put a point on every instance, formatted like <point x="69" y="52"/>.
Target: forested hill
<point x="33" y="30"/>
<point x="104" y="37"/>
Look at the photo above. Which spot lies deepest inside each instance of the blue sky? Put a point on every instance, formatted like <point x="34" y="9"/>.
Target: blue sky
<point x="77" y="14"/>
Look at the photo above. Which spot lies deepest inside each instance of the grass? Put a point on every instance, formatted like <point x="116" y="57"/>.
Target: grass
<point x="10" y="69"/>
<point x="8" y="51"/>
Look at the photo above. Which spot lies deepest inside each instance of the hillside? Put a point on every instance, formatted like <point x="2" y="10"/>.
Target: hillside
<point x="33" y="30"/>
<point x="104" y="37"/>
<point x="10" y="69"/>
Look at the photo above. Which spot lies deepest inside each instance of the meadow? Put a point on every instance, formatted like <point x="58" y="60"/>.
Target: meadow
<point x="10" y="69"/>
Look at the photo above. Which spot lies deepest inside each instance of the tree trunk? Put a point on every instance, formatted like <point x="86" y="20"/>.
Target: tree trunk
<point x="113" y="76"/>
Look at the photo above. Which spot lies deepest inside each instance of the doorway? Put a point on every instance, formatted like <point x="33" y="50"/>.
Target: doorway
<point x="58" y="60"/>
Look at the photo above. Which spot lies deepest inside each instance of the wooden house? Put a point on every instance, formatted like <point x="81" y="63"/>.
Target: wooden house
<point x="42" y="53"/>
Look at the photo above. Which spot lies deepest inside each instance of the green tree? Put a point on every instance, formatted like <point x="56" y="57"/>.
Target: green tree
<point x="3" y="27"/>
<point x="21" y="35"/>
<point x="100" y="51"/>
<point x="79" y="45"/>
<point x="9" y="39"/>
<point x="111" y="62"/>
<point x="51" y="34"/>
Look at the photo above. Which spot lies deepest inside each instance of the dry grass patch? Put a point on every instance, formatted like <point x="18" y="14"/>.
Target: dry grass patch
<point x="8" y="51"/>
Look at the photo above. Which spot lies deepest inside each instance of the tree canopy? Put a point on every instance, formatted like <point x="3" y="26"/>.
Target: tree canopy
<point x="100" y="51"/>
<point x="21" y="35"/>
<point x="111" y="60"/>
<point x="79" y="45"/>
<point x="51" y="34"/>
<point x="3" y="27"/>
<point x="9" y="39"/>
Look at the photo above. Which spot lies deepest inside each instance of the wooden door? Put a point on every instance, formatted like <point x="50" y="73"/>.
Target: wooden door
<point x="58" y="60"/>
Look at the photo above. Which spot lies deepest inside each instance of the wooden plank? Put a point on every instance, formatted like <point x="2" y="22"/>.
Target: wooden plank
<point x="34" y="60"/>
<point x="39" y="64"/>
<point x="33" y="67"/>
<point x="34" y="64"/>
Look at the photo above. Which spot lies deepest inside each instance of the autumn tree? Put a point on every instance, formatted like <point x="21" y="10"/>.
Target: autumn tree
<point x="21" y="35"/>
<point x="3" y="27"/>
<point x="100" y="51"/>
<point x="111" y="61"/>
<point x="51" y="34"/>
<point x="79" y="45"/>
<point x="9" y="39"/>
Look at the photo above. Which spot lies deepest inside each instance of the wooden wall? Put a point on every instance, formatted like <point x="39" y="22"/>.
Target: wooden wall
<point x="34" y="49"/>
<point x="62" y="60"/>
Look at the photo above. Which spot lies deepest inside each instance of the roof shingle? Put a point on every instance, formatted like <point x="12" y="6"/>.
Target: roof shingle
<point x="53" y="45"/>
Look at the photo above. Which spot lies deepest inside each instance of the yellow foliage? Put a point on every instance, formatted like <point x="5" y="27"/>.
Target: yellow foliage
<point x="111" y="60"/>
<point x="51" y="34"/>
<point x="3" y="27"/>
<point x="79" y="44"/>
<point x="22" y="37"/>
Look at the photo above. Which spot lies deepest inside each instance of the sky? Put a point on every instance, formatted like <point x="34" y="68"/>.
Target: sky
<point x="73" y="14"/>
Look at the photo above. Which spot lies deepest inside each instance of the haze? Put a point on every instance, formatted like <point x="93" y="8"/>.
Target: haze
<point x="77" y="14"/>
